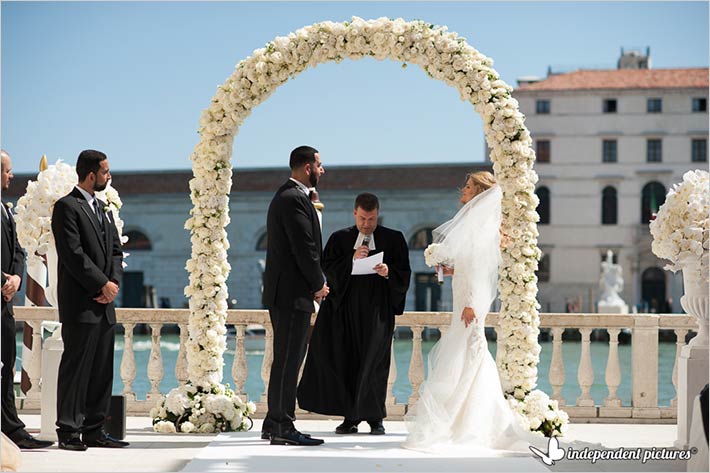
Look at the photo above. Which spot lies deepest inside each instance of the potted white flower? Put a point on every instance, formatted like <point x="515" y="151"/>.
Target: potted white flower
<point x="681" y="232"/>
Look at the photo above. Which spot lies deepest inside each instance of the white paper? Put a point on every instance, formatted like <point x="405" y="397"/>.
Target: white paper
<point x="365" y="265"/>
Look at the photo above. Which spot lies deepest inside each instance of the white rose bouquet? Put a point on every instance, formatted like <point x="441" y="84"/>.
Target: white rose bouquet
<point x="681" y="228"/>
<point x="436" y="254"/>
<point x="189" y="408"/>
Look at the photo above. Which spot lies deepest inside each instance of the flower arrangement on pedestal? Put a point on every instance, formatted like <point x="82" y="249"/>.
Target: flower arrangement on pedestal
<point x="33" y="213"/>
<point x="681" y="229"/>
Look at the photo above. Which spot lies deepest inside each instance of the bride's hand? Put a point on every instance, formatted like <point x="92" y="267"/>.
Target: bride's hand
<point x="468" y="316"/>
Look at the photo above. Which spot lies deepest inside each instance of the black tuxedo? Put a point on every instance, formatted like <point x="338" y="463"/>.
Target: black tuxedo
<point x="13" y="263"/>
<point x="90" y="255"/>
<point x="291" y="277"/>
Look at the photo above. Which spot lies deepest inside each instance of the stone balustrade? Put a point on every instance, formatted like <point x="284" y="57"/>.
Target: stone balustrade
<point x="644" y="334"/>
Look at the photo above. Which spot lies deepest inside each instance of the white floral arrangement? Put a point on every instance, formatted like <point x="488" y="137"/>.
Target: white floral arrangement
<point x="33" y="213"/>
<point x="443" y="55"/>
<point x="540" y="414"/>
<point x="435" y="254"/>
<point x="191" y="409"/>
<point x="681" y="229"/>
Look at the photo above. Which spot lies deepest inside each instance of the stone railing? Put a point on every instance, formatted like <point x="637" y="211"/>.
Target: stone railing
<point x="644" y="384"/>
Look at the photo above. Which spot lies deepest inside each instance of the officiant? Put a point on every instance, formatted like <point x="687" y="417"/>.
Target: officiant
<point x="348" y="358"/>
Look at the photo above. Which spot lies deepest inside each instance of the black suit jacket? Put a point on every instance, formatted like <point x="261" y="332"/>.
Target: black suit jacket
<point x="293" y="251"/>
<point x="13" y="258"/>
<point x="87" y="261"/>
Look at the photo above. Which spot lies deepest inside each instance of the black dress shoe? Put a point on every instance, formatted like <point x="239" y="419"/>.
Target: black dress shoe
<point x="29" y="443"/>
<point x="105" y="441"/>
<point x="376" y="428"/>
<point x="294" y="437"/>
<point x="267" y="435"/>
<point x="74" y="444"/>
<point x="347" y="427"/>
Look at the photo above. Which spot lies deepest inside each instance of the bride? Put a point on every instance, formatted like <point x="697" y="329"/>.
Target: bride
<point x="461" y="404"/>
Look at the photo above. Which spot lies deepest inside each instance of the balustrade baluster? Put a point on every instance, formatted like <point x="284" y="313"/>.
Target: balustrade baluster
<point x="239" y="366"/>
<point x="268" y="359"/>
<point x="155" y="364"/>
<point x="557" y="367"/>
<point x="416" y="365"/>
<point x="613" y="369"/>
<point x="679" y="344"/>
<point x="35" y="365"/>
<point x="585" y="376"/>
<point x="128" y="362"/>
<point x="391" y="379"/>
<point x="181" y="364"/>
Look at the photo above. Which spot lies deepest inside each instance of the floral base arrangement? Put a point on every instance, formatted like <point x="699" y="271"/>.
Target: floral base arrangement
<point x="192" y="409"/>
<point x="540" y="414"/>
<point x="681" y="229"/>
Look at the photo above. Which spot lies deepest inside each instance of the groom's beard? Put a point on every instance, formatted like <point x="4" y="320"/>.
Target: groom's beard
<point x="99" y="188"/>
<point x="313" y="180"/>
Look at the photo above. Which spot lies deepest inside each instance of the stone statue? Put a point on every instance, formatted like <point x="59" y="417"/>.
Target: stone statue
<point x="611" y="283"/>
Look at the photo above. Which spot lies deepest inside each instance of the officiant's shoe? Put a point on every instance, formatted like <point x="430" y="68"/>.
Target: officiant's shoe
<point x="294" y="437"/>
<point x="104" y="440"/>
<point x="347" y="427"/>
<point x="28" y="442"/>
<point x="74" y="444"/>
<point x="376" y="428"/>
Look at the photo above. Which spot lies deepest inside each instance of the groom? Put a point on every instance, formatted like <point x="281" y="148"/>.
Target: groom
<point x="292" y="281"/>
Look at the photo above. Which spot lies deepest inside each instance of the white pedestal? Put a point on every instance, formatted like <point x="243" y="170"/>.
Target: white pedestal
<point x="692" y="377"/>
<point x="51" y="356"/>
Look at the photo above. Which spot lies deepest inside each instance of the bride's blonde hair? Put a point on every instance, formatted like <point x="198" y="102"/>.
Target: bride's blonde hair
<point x="483" y="180"/>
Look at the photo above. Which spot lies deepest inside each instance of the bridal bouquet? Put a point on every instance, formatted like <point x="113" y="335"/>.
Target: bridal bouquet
<point x="191" y="409"/>
<point x="437" y="254"/>
<point x="681" y="228"/>
<point x="540" y="414"/>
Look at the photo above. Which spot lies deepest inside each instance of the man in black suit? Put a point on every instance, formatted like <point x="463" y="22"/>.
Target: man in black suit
<point x="293" y="279"/>
<point x="13" y="265"/>
<point x="90" y="268"/>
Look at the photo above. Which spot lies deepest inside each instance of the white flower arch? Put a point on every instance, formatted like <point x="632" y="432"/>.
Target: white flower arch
<point x="442" y="55"/>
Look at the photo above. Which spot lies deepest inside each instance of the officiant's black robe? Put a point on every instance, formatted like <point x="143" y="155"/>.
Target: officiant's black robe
<point x="349" y="353"/>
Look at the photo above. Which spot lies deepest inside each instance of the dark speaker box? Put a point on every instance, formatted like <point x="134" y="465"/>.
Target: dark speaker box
<point x="116" y="419"/>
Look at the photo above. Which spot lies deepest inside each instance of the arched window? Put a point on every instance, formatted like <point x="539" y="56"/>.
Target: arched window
<point x="543" y="208"/>
<point x="137" y="241"/>
<point x="653" y="290"/>
<point x="421" y="239"/>
<point x="261" y="243"/>
<point x="609" y="206"/>
<point x="543" y="269"/>
<point x="653" y="196"/>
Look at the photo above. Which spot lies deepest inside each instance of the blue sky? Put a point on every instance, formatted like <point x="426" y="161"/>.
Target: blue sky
<point x="132" y="78"/>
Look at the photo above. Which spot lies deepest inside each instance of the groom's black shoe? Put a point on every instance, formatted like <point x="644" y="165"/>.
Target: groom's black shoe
<point x="347" y="427"/>
<point x="294" y="437"/>
<point x="267" y="435"/>
<point x="376" y="427"/>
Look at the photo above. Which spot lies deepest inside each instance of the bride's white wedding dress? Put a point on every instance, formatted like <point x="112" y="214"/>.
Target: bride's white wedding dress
<point x="461" y="405"/>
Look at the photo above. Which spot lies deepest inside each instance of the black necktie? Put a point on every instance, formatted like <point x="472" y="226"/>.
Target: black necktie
<point x="98" y="213"/>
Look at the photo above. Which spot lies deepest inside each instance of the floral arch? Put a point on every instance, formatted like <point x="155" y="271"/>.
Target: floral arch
<point x="443" y="56"/>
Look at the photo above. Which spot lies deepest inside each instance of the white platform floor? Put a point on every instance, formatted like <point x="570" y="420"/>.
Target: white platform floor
<point x="242" y="452"/>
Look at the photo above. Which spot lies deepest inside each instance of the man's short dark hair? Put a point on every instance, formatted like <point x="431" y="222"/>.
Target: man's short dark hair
<point x="301" y="156"/>
<point x="88" y="161"/>
<point x="367" y="202"/>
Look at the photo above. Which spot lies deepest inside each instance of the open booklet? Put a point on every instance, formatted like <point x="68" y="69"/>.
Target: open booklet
<point x="365" y="265"/>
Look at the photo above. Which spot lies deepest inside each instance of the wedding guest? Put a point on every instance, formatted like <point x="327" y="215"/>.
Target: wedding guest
<point x="292" y="281"/>
<point x="13" y="265"/>
<point x="89" y="272"/>
<point x="349" y="355"/>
